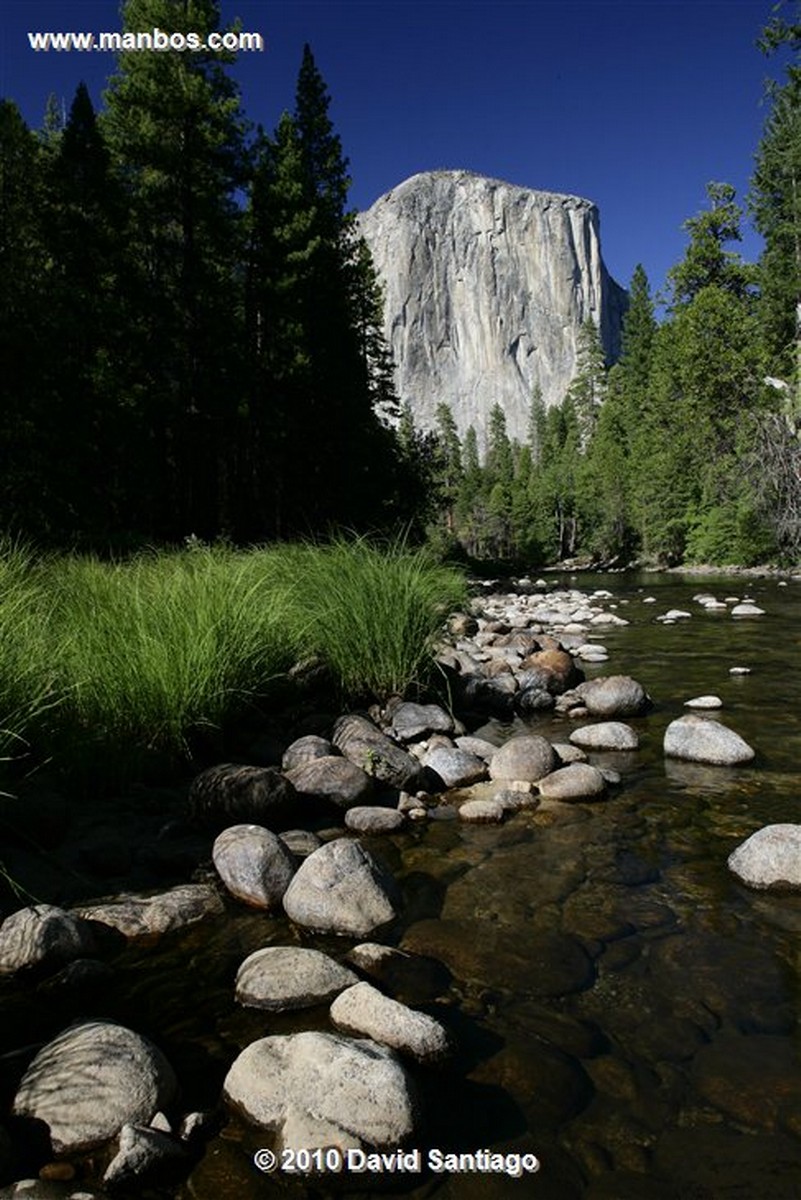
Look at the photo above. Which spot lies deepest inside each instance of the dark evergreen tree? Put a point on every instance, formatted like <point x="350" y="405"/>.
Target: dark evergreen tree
<point x="85" y="439"/>
<point x="588" y="388"/>
<point x="776" y="204"/>
<point x="25" y="355"/>
<point x="175" y="131"/>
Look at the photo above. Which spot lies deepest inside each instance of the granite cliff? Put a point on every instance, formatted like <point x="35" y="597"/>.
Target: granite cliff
<point x="485" y="286"/>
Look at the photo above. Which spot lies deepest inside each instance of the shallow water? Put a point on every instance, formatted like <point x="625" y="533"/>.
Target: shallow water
<point x="623" y="1008"/>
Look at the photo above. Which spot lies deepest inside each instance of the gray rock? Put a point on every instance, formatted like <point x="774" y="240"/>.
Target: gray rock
<point x="478" y="746"/>
<point x="230" y="794"/>
<point x="607" y="735"/>
<point x="747" y="610"/>
<point x="300" y="842"/>
<point x="568" y="753"/>
<point x="413" y="721"/>
<point x="341" y="889"/>
<point x="357" y="1087"/>
<point x="43" y="936"/>
<point x="529" y="757"/>
<point x="362" y="1009"/>
<point x="770" y="859"/>
<point x="374" y="819"/>
<point x="613" y="696"/>
<point x="254" y="864"/>
<point x="91" y="1080"/>
<point x="703" y="702"/>
<point x="577" y="781"/>
<point x="332" y="778"/>
<point x="284" y="978"/>
<point x="533" y="700"/>
<point x="485" y="288"/>
<point x="697" y="739"/>
<point x="382" y="759"/>
<point x="145" y="1157"/>
<point x="456" y="768"/>
<point x="142" y="916"/>
<point x="304" y="750"/>
<point x="483" y="812"/>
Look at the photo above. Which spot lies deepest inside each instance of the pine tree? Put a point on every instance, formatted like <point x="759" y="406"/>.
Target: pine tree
<point x="588" y="388"/>
<point x="176" y="135"/>
<point x="776" y="204"/>
<point x="87" y="436"/>
<point x="26" y="359"/>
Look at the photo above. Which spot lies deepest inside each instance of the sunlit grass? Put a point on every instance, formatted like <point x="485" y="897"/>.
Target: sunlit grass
<point x="110" y="669"/>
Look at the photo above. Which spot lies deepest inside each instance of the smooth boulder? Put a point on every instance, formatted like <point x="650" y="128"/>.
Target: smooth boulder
<point x="341" y="889"/>
<point x="254" y="864"/>
<point x="285" y="978"/>
<point x="43" y="936"/>
<point x="334" y="778"/>
<point x="456" y="768"/>
<point x="769" y="859"/>
<point x="362" y="1009"/>
<point x="576" y="781"/>
<point x="91" y="1080"/>
<point x="361" y="741"/>
<point x="412" y="721"/>
<point x="698" y="739"/>
<point x="374" y="819"/>
<point x="607" y="735"/>
<point x="613" y="696"/>
<point x="357" y="1087"/>
<point x="304" y="750"/>
<point x="529" y="758"/>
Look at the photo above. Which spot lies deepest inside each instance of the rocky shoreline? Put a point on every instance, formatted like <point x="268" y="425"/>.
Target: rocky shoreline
<point x="282" y="841"/>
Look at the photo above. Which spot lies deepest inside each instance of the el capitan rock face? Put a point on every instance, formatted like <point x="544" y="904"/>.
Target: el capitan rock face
<point x="486" y="285"/>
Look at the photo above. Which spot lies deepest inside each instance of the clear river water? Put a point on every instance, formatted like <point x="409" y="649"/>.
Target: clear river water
<point x="623" y="1008"/>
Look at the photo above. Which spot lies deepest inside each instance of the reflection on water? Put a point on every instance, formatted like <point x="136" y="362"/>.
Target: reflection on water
<point x="623" y="1008"/>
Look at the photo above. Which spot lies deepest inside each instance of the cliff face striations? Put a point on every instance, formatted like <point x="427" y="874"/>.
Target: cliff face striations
<point x="485" y="286"/>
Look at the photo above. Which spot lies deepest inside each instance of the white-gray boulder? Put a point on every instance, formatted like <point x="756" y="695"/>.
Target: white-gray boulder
<point x="341" y="889"/>
<point x="374" y="819"/>
<point x="285" y="978"/>
<point x="704" y="702"/>
<point x="145" y="1157"/>
<point x="698" y="739"/>
<point x="613" y="696"/>
<point x="362" y="1009"/>
<point x="254" y="864"/>
<point x="412" y="721"/>
<point x="607" y="735"/>
<point x="456" y="768"/>
<point x="770" y="859"/>
<point x="43" y="936"/>
<point x="529" y="757"/>
<point x="357" y="1087"/>
<point x="91" y="1080"/>
<point x="577" y="781"/>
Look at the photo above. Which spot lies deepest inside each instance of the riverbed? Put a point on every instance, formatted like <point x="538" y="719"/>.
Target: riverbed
<point x="624" y="1010"/>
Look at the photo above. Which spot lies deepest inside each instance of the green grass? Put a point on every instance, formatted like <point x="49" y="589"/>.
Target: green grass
<point x="110" y="669"/>
<point x="370" y="611"/>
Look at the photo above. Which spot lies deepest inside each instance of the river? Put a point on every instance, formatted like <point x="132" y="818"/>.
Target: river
<point x="624" y="1009"/>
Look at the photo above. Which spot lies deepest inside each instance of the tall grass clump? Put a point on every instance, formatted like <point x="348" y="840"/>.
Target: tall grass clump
<point x="156" y="647"/>
<point x="370" y="611"/>
<point x="27" y="677"/>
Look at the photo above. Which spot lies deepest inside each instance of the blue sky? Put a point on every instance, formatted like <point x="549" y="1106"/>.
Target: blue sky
<point x="634" y="105"/>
